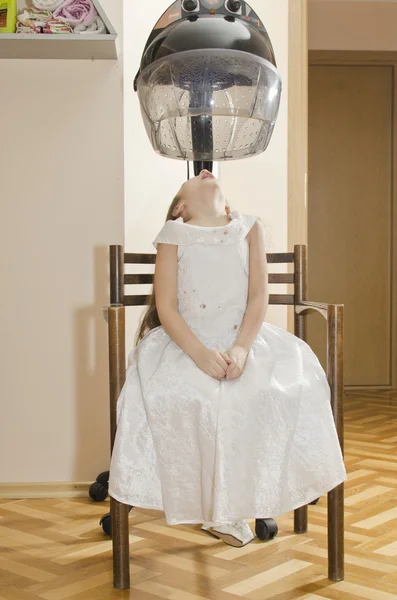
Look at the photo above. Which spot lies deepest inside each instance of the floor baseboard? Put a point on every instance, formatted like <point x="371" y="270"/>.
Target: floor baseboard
<point x="17" y="491"/>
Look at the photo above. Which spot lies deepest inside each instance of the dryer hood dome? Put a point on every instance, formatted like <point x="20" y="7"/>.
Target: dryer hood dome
<point x="208" y="86"/>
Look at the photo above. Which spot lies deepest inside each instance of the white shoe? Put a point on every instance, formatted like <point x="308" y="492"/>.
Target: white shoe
<point x="237" y="534"/>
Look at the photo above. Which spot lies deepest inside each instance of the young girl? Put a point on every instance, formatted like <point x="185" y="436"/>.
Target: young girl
<point x="222" y="418"/>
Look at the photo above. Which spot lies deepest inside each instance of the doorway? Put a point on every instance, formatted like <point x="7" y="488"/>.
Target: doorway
<point x="352" y="210"/>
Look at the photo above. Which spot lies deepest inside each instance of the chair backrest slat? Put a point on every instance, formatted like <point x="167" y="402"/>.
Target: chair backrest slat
<point x="139" y="259"/>
<point x="283" y="299"/>
<point x="136" y="300"/>
<point x="281" y="278"/>
<point x="138" y="279"/>
<point x="281" y="258"/>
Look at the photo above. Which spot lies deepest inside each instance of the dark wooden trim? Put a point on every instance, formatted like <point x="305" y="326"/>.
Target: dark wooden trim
<point x="301" y="271"/>
<point x="281" y="278"/>
<point x="140" y="279"/>
<point x="304" y="307"/>
<point x="121" y="544"/>
<point x="139" y="259"/>
<point x="300" y="260"/>
<point x="118" y="511"/>
<point x="116" y="325"/>
<point x="116" y="261"/>
<point x="281" y="258"/>
<point x="136" y="300"/>
<point x="335" y="497"/>
<point x="282" y="299"/>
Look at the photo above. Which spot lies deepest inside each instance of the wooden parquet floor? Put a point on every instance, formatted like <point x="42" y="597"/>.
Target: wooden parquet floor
<point x="55" y="550"/>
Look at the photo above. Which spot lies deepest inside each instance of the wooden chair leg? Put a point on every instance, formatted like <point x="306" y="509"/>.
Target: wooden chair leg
<point x="118" y="512"/>
<point x="300" y="514"/>
<point x="336" y="497"/>
<point x="300" y="520"/>
<point x="121" y="550"/>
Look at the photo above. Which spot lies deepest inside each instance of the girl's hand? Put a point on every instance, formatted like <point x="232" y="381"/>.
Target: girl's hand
<point x="238" y="357"/>
<point x="213" y="363"/>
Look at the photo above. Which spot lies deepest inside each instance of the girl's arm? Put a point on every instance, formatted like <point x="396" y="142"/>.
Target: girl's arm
<point x="258" y="291"/>
<point x="166" y="293"/>
<point x="258" y="302"/>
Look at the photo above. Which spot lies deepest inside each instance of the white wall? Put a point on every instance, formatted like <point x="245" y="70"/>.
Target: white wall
<point x="61" y="194"/>
<point x="257" y="185"/>
<point x="352" y="25"/>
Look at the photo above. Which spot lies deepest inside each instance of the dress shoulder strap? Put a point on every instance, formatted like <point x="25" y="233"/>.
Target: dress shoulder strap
<point x="170" y="234"/>
<point x="248" y="223"/>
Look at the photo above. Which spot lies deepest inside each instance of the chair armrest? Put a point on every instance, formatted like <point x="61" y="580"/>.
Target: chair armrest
<point x="305" y="307"/>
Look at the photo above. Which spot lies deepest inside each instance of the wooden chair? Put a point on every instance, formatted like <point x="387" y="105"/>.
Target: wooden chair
<point x="117" y="368"/>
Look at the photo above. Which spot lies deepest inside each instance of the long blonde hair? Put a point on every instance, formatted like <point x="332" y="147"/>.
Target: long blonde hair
<point x="150" y="318"/>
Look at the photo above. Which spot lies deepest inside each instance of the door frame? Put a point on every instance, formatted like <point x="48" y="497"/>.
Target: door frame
<point x="298" y="70"/>
<point x="367" y="58"/>
<point x="298" y="158"/>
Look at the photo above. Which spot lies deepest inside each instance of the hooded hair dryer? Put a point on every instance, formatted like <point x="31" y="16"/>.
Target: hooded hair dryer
<point x="208" y="85"/>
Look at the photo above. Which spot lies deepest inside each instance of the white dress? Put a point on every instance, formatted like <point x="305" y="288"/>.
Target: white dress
<point x="214" y="451"/>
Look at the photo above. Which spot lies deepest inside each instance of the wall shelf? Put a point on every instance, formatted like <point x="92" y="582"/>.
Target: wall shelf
<point x="61" y="46"/>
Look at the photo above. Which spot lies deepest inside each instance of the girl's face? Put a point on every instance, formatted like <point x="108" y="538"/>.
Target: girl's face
<point x="192" y="192"/>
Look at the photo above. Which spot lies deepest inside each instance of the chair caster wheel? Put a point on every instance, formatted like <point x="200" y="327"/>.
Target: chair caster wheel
<point x="315" y="502"/>
<point x="266" y="529"/>
<point x="98" y="492"/>
<point x="103" y="478"/>
<point x="99" y="489"/>
<point x="106" y="524"/>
